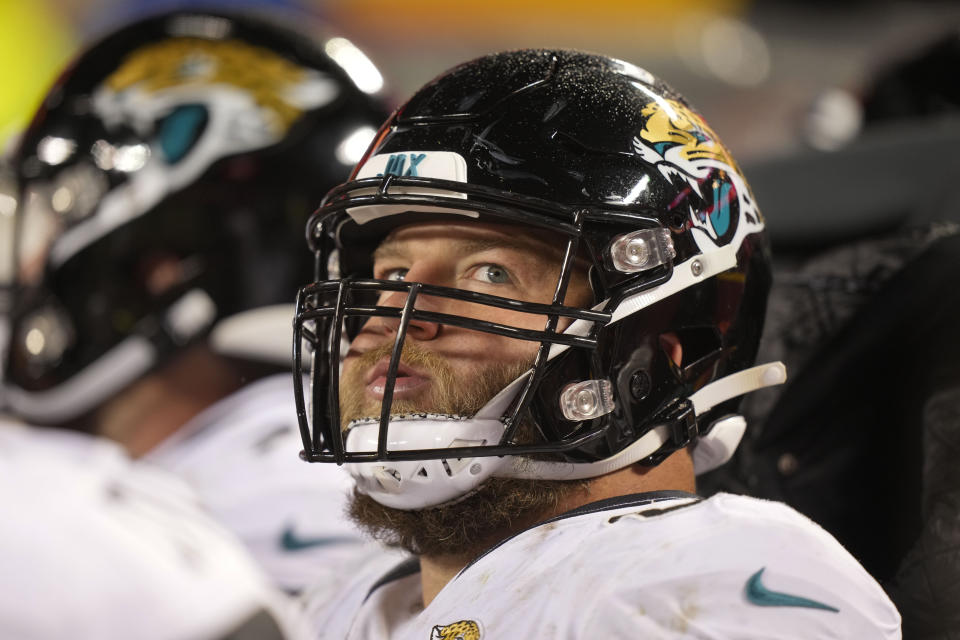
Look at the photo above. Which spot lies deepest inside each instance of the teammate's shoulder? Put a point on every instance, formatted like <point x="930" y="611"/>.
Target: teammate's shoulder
<point x="76" y="470"/>
<point x="138" y="531"/>
<point x="45" y="450"/>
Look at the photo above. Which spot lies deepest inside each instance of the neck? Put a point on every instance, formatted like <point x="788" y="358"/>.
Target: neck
<point x="156" y="406"/>
<point x="676" y="473"/>
<point x="437" y="571"/>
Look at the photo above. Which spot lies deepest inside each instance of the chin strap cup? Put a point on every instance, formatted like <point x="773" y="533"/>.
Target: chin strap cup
<point x="716" y="447"/>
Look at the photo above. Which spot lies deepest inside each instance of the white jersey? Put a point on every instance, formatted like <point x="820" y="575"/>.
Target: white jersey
<point x="241" y="456"/>
<point x="657" y="565"/>
<point x="95" y="546"/>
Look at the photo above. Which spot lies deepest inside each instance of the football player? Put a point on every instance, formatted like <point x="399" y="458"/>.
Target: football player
<point x="95" y="546"/>
<point x="552" y="278"/>
<point x="165" y="182"/>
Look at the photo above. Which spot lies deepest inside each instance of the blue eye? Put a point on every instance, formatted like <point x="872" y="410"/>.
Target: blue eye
<point x="395" y="274"/>
<point x="493" y="274"/>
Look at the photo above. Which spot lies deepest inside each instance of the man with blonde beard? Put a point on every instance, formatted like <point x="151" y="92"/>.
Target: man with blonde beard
<point x="552" y="277"/>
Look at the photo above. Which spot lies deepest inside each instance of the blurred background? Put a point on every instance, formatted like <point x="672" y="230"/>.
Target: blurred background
<point x="772" y="77"/>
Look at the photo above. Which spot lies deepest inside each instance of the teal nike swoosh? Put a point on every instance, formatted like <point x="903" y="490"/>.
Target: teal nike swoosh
<point x="762" y="597"/>
<point x="290" y="541"/>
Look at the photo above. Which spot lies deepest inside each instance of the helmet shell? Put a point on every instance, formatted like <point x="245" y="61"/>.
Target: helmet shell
<point x="593" y="148"/>
<point x="165" y="181"/>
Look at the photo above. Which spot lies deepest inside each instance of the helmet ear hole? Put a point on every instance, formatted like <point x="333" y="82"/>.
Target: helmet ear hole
<point x="672" y="347"/>
<point x="161" y="271"/>
<point x="692" y="349"/>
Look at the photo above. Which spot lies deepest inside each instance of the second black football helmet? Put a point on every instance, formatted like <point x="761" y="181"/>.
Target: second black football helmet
<point x="164" y="183"/>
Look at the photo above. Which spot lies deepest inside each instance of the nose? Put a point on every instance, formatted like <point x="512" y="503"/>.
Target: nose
<point x="417" y="329"/>
<point x="424" y="270"/>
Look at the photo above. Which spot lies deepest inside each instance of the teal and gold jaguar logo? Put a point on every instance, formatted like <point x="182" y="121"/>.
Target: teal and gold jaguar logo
<point x="269" y="79"/>
<point x="462" y="630"/>
<point x="716" y="199"/>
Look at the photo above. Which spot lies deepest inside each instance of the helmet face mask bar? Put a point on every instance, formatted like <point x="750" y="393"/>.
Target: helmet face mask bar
<point x="677" y="258"/>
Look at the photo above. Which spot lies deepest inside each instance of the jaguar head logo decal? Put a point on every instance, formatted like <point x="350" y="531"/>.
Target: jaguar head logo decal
<point x="716" y="199"/>
<point x="462" y="630"/>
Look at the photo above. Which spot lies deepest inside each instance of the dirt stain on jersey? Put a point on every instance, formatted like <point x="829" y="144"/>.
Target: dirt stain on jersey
<point x="689" y="610"/>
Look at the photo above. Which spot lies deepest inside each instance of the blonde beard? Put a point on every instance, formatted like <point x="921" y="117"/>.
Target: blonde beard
<point x="448" y="394"/>
<point x="500" y="508"/>
<point x="495" y="509"/>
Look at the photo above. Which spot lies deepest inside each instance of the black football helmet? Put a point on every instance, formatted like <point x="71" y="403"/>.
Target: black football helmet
<point x="164" y="183"/>
<point x="618" y="163"/>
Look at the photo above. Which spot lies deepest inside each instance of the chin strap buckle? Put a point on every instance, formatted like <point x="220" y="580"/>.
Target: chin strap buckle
<point x="680" y="419"/>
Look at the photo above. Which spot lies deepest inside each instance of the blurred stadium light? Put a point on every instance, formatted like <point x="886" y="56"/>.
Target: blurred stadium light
<point x="434" y="23"/>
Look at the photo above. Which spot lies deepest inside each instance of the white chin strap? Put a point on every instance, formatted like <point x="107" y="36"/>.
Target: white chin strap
<point x="710" y="450"/>
<point x="420" y="484"/>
